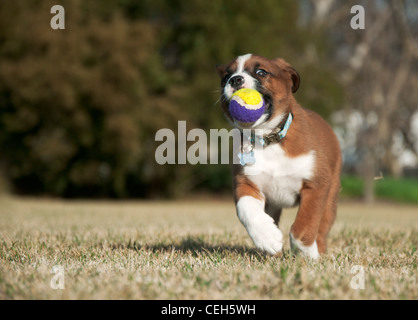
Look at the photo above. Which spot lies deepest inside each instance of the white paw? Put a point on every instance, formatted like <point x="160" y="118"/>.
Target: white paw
<point x="266" y="235"/>
<point x="260" y="226"/>
<point x="307" y="251"/>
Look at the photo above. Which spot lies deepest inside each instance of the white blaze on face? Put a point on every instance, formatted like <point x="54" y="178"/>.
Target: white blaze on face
<point x="249" y="82"/>
<point x="241" y="62"/>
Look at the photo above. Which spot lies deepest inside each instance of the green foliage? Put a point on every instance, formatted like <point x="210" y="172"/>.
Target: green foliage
<point x="399" y="190"/>
<point x="351" y="187"/>
<point x="79" y="108"/>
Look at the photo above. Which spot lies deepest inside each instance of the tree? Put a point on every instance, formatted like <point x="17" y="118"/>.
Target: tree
<point x="70" y="121"/>
<point x="79" y="107"/>
<point x="376" y="66"/>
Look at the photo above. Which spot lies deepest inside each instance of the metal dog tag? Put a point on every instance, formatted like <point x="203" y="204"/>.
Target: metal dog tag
<point x="246" y="158"/>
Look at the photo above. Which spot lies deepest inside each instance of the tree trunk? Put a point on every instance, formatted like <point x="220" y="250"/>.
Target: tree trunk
<point x="368" y="176"/>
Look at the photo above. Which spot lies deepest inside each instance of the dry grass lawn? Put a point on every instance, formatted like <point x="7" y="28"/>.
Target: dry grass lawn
<point x="196" y="250"/>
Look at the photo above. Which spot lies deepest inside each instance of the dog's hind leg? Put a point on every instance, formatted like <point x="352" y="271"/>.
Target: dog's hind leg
<point x="328" y="217"/>
<point x="273" y="212"/>
<point x="304" y="231"/>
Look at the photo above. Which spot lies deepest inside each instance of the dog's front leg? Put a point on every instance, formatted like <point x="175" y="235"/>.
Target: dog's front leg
<point x="260" y="226"/>
<point x="304" y="230"/>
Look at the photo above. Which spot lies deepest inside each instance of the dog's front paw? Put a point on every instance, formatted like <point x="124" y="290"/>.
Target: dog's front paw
<point x="260" y="226"/>
<point x="266" y="235"/>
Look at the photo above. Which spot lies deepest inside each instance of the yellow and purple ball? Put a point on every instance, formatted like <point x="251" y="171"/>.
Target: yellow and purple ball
<point x="246" y="105"/>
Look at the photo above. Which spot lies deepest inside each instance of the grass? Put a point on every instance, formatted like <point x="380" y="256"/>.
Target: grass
<point x="196" y="250"/>
<point x="399" y="190"/>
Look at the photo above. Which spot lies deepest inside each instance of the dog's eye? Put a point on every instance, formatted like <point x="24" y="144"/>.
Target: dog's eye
<point x="261" y="72"/>
<point x="225" y="78"/>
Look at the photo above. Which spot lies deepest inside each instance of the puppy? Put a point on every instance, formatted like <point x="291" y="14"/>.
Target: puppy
<point x="301" y="159"/>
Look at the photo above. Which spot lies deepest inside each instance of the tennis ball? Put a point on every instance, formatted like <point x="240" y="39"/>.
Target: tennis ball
<point x="246" y="105"/>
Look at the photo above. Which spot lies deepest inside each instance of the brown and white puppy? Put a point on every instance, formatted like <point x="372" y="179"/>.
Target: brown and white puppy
<point x="302" y="168"/>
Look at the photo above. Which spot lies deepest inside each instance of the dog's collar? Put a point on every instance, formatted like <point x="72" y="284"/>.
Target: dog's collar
<point x="247" y="155"/>
<point x="277" y="134"/>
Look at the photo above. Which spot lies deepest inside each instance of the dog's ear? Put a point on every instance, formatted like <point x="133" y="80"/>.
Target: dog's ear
<point x="294" y="75"/>
<point x="221" y="70"/>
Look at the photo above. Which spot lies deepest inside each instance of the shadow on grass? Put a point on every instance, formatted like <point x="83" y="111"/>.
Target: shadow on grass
<point x="192" y="245"/>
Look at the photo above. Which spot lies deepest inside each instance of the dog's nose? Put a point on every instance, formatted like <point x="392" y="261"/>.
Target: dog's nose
<point x="236" y="81"/>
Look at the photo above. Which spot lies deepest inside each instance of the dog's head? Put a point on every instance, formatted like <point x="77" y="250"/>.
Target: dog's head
<point x="275" y="79"/>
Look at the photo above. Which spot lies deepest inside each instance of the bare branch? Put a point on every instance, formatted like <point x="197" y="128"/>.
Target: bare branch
<point x="362" y="50"/>
<point x="408" y="41"/>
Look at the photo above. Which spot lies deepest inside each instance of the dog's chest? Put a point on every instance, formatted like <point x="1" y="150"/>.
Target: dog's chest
<point x="280" y="177"/>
